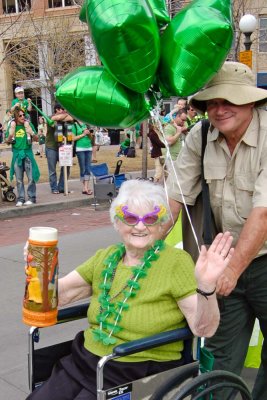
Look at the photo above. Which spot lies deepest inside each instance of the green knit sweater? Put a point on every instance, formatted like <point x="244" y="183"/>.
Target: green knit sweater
<point x="154" y="309"/>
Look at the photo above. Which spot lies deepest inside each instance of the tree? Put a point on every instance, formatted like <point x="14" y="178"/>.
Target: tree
<point x="45" y="51"/>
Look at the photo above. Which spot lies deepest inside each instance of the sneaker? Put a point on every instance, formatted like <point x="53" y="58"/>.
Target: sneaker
<point x="28" y="203"/>
<point x="19" y="204"/>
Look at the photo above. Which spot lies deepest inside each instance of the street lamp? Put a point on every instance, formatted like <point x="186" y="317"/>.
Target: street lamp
<point x="247" y="25"/>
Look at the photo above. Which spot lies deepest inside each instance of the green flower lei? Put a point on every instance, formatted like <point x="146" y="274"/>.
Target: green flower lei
<point x="114" y="310"/>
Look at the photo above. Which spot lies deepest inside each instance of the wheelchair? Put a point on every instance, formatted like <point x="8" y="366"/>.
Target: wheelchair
<point x="182" y="382"/>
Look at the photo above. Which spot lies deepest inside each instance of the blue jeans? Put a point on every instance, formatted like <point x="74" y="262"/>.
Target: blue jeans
<point x="84" y="159"/>
<point x="19" y="173"/>
<point x="238" y="312"/>
<point x="52" y="160"/>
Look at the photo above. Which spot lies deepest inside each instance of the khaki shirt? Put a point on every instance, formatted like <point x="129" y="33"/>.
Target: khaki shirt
<point x="237" y="182"/>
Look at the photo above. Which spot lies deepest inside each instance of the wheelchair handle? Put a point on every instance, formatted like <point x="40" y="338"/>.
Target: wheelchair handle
<point x="149" y="342"/>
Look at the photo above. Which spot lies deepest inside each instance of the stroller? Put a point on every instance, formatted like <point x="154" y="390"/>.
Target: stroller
<point x="7" y="190"/>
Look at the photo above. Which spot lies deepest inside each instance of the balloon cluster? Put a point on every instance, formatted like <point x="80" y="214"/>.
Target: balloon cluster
<point x="144" y="52"/>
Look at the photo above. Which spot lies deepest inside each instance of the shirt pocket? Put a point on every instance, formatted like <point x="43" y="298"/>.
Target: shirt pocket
<point x="215" y="176"/>
<point x="244" y="189"/>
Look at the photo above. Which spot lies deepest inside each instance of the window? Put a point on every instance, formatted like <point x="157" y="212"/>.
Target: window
<point x="263" y="35"/>
<point x="60" y="3"/>
<point x="16" y="6"/>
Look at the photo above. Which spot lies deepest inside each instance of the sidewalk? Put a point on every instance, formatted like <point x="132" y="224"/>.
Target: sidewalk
<point x="47" y="201"/>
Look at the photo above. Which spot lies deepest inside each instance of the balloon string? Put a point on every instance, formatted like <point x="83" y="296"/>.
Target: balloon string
<point x="169" y="164"/>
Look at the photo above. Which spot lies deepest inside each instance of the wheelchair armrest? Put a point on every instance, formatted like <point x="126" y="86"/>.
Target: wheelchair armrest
<point x="149" y="342"/>
<point x="71" y="313"/>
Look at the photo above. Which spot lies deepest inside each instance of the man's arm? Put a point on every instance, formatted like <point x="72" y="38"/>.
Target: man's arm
<point x="62" y="117"/>
<point x="172" y="139"/>
<point x="251" y="240"/>
<point x="175" y="208"/>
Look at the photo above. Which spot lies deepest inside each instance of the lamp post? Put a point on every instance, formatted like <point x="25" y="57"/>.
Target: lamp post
<point x="247" y="25"/>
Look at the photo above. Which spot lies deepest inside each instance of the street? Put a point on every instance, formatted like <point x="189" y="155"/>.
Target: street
<point x="81" y="232"/>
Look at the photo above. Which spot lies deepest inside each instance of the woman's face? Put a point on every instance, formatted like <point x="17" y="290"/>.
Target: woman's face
<point x="139" y="237"/>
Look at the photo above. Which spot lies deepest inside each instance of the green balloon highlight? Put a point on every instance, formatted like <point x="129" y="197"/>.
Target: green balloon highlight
<point x="127" y="39"/>
<point x="92" y="95"/>
<point x="160" y="10"/>
<point x="194" y="46"/>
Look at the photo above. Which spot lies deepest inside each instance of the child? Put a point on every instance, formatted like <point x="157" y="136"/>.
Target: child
<point x="25" y="106"/>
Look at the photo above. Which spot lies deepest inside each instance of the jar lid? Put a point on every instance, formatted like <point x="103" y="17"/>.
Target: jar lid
<point x="43" y="234"/>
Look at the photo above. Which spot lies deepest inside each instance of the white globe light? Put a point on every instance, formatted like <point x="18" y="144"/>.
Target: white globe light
<point x="248" y="23"/>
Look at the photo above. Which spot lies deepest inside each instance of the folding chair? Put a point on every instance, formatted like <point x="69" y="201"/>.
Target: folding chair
<point x="105" y="185"/>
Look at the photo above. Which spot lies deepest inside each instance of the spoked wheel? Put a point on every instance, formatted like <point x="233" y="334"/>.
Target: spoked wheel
<point x="187" y="371"/>
<point x="10" y="196"/>
<point x="209" y="383"/>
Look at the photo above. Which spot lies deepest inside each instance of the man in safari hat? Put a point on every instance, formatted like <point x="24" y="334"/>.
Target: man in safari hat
<point x="235" y="169"/>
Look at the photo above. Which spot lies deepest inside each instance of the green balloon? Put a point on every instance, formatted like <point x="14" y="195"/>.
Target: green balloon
<point x="92" y="95"/>
<point x="194" y="46"/>
<point x="127" y="39"/>
<point x="82" y="15"/>
<point x="160" y="10"/>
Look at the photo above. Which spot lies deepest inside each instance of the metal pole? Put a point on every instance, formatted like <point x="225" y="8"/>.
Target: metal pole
<point x="144" y="149"/>
<point x="65" y="173"/>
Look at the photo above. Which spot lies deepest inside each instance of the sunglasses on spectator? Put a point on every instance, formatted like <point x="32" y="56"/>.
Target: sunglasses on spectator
<point x="132" y="219"/>
<point x="21" y="115"/>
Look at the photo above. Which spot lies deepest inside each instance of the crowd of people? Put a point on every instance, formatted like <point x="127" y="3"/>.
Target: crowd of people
<point x="19" y="132"/>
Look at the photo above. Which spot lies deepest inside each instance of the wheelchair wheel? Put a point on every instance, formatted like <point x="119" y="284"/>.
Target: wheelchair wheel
<point x="188" y="371"/>
<point x="203" y="386"/>
<point x="10" y="196"/>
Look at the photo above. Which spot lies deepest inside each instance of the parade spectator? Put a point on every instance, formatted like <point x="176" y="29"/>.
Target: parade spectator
<point x="82" y="135"/>
<point x="193" y="117"/>
<point x="159" y="287"/>
<point x="7" y="120"/>
<point x="235" y="169"/>
<point x="42" y="131"/>
<point x="23" y="159"/>
<point x="52" y="144"/>
<point x="156" y="153"/>
<point x="124" y="146"/>
<point x="25" y="106"/>
<point x="173" y="131"/>
<point x="181" y="104"/>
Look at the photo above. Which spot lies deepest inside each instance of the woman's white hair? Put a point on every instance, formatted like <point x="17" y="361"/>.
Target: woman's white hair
<point x="140" y="195"/>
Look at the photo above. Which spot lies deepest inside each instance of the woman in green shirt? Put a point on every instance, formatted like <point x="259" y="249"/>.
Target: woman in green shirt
<point x="138" y="288"/>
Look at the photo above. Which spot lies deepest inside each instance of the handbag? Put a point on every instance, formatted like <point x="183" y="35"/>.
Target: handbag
<point x="200" y="213"/>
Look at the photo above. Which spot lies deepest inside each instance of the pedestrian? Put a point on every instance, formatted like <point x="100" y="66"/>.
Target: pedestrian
<point x="181" y="104"/>
<point x="157" y="144"/>
<point x="173" y="132"/>
<point x="25" y="106"/>
<point x="23" y="159"/>
<point x="139" y="287"/>
<point x="83" y="139"/>
<point x="53" y="140"/>
<point x="42" y="131"/>
<point x="124" y="146"/>
<point x="235" y="169"/>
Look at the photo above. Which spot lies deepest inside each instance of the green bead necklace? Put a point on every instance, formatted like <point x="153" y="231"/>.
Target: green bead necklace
<point x="114" y="310"/>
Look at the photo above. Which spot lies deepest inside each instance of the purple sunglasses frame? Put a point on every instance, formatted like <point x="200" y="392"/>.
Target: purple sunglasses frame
<point x="138" y="218"/>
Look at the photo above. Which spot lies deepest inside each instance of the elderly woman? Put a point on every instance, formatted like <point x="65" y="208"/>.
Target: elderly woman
<point x="139" y="287"/>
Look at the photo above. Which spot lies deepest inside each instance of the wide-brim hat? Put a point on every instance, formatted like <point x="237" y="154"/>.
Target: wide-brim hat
<point x="234" y="82"/>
